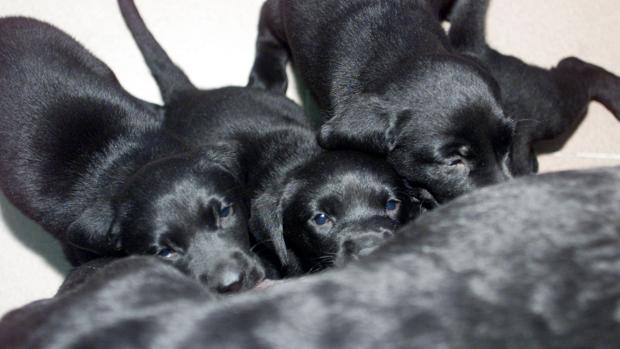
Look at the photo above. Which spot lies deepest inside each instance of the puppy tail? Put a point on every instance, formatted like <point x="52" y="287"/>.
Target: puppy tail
<point x="170" y="78"/>
<point x="468" y="25"/>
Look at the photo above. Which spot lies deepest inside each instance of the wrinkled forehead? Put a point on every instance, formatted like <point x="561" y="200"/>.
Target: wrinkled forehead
<point x="352" y="187"/>
<point x="188" y="192"/>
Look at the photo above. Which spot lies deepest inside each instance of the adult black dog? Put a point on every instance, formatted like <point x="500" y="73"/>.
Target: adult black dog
<point x="529" y="264"/>
<point x="93" y="165"/>
<point x="388" y="81"/>
<point x="315" y="208"/>
<point x="543" y="103"/>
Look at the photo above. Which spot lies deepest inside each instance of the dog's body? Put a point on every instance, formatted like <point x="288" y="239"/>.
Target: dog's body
<point x="528" y="264"/>
<point x="94" y="166"/>
<point x="543" y="103"/>
<point x="49" y="141"/>
<point x="357" y="199"/>
<point x="388" y="81"/>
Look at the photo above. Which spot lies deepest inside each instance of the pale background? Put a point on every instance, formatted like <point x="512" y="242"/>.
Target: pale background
<point x="213" y="41"/>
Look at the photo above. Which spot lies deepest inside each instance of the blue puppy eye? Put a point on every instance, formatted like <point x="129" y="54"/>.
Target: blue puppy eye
<point x="391" y="205"/>
<point x="320" y="219"/>
<point x="225" y="211"/>
<point x="167" y="252"/>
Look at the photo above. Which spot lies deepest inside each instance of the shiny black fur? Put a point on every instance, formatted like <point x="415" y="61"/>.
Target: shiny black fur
<point x="288" y="177"/>
<point x="388" y="81"/>
<point x="528" y="264"/>
<point x="93" y="165"/>
<point x="543" y="103"/>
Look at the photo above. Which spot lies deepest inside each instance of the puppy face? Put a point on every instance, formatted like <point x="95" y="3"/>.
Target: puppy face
<point x="191" y="213"/>
<point x="440" y="123"/>
<point x="468" y="149"/>
<point x="342" y="206"/>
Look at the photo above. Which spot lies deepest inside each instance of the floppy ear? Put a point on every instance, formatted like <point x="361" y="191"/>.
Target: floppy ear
<point x="224" y="154"/>
<point x="266" y="220"/>
<point x="95" y="230"/>
<point x="365" y="122"/>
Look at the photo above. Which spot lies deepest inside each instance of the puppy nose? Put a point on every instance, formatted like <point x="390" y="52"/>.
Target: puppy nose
<point x="366" y="251"/>
<point x="230" y="282"/>
<point x="363" y="246"/>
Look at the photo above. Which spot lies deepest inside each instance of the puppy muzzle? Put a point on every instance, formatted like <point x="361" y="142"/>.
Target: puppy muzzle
<point x="232" y="272"/>
<point x="357" y="243"/>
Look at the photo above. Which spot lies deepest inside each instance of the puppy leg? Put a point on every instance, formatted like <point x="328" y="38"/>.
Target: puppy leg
<point x="468" y="26"/>
<point x="601" y="85"/>
<point x="272" y="54"/>
<point x="545" y="104"/>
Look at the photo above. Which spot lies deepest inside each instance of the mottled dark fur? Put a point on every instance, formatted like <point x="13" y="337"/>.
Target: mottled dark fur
<point x="528" y="264"/>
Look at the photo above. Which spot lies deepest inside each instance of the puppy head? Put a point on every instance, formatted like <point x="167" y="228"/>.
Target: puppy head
<point x="337" y="208"/>
<point x="439" y="123"/>
<point x="186" y="209"/>
<point x="190" y="211"/>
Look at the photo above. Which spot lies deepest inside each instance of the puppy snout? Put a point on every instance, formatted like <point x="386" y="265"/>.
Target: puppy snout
<point x="365" y="244"/>
<point x="230" y="282"/>
<point x="366" y="251"/>
<point x="233" y="273"/>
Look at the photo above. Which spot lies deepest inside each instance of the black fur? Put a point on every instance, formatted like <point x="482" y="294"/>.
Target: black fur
<point x="388" y="81"/>
<point x="529" y="264"/>
<point x="93" y="165"/>
<point x="543" y="103"/>
<point x="288" y="177"/>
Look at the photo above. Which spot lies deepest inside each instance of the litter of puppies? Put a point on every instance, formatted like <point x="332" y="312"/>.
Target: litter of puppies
<point x="225" y="218"/>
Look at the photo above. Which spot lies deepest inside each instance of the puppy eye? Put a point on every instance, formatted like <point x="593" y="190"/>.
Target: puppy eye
<point x="226" y="211"/>
<point x="392" y="205"/>
<point x="167" y="252"/>
<point x="321" y="219"/>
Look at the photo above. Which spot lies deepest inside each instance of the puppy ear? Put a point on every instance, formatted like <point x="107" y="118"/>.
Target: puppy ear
<point x="365" y="123"/>
<point x="225" y="154"/>
<point x="266" y="218"/>
<point x="95" y="230"/>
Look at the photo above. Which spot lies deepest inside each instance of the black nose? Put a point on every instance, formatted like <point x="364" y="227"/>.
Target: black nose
<point x="230" y="282"/>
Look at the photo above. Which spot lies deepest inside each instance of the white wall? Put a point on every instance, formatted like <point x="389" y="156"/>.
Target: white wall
<point x="213" y="41"/>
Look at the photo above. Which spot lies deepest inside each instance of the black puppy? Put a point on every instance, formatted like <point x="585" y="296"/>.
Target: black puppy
<point x="388" y="81"/>
<point x="315" y="208"/>
<point x="93" y="166"/>
<point x="543" y="103"/>
<point x="476" y="273"/>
